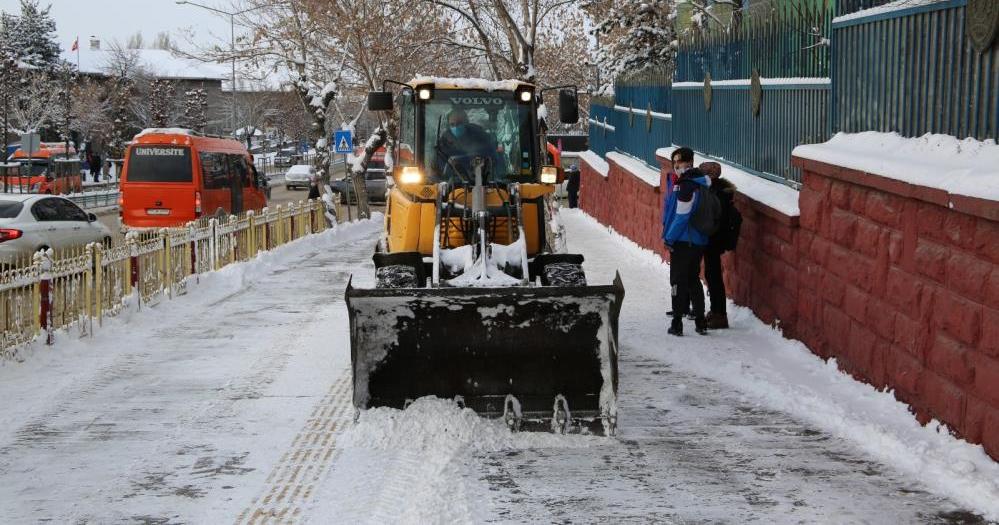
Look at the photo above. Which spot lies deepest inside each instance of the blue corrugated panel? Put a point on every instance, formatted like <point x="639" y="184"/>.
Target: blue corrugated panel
<point x="789" y="115"/>
<point x="914" y="72"/>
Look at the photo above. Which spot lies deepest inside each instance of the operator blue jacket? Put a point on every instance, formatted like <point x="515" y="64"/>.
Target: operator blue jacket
<point x="681" y="202"/>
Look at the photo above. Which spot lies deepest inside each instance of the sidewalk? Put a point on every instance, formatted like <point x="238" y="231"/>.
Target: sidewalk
<point x="193" y="410"/>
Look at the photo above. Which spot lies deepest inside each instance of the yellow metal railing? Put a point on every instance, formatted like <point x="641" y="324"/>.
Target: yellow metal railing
<point x="77" y="288"/>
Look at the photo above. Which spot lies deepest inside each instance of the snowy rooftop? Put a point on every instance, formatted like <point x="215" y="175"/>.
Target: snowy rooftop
<point x="160" y="62"/>
<point x="962" y="167"/>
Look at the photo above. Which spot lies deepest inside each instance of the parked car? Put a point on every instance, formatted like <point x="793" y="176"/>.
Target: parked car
<point x="374" y="179"/>
<point x="285" y="157"/>
<point x="29" y="223"/>
<point x="374" y="183"/>
<point x="299" y="176"/>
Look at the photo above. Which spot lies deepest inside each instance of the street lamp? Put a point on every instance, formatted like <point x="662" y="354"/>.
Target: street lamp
<point x="232" y="46"/>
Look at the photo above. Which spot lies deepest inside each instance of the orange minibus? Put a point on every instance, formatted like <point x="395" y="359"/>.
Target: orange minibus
<point x="173" y="176"/>
<point x="47" y="170"/>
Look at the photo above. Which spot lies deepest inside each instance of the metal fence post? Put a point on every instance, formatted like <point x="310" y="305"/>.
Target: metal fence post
<point x="99" y="283"/>
<point x="133" y="264"/>
<point x="193" y="242"/>
<point x="267" y="229"/>
<point x="251" y="236"/>
<point x="88" y="287"/>
<point x="212" y="242"/>
<point x="233" y="238"/>
<point x="166" y="281"/>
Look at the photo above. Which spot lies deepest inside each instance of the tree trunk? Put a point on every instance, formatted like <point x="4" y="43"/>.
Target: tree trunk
<point x="359" y="168"/>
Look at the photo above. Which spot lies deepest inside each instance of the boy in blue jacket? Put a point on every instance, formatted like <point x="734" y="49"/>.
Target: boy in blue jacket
<point x="685" y="244"/>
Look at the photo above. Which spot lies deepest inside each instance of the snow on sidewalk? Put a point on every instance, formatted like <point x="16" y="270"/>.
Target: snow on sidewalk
<point x="739" y="426"/>
<point x="223" y="403"/>
<point x="776" y="374"/>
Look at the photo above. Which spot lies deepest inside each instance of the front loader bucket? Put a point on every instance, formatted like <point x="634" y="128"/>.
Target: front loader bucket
<point x="540" y="345"/>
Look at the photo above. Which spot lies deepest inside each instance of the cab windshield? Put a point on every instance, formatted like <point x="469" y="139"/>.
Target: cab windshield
<point x="460" y="125"/>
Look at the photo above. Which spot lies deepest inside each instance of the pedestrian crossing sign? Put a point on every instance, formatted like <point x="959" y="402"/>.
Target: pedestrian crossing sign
<point x="343" y="142"/>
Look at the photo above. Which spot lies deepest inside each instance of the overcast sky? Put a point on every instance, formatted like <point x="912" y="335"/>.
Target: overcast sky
<point x="119" y="19"/>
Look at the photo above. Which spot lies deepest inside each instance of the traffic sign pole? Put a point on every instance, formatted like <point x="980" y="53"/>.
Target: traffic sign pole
<point x="343" y="141"/>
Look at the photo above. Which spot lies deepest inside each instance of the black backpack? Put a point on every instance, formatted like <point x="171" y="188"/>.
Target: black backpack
<point x="708" y="213"/>
<point x="732" y="228"/>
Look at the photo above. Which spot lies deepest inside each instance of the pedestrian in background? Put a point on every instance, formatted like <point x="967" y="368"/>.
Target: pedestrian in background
<point x="572" y="186"/>
<point x="721" y="241"/>
<point x="96" y="167"/>
<point x="685" y="243"/>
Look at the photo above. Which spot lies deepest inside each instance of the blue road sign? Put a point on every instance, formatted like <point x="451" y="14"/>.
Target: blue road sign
<point x="342" y="142"/>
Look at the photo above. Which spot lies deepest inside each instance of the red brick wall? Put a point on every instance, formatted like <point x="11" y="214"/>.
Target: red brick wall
<point x="899" y="283"/>
<point x="908" y="288"/>
<point x="628" y="204"/>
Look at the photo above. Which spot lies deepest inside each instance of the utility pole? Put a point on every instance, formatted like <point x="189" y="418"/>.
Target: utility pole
<point x="232" y="48"/>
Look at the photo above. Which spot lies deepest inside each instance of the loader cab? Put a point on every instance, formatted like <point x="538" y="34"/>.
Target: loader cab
<point x="446" y="125"/>
<point x="441" y="128"/>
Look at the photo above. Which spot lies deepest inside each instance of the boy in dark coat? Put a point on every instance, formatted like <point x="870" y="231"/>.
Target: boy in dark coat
<point x="685" y="243"/>
<point x="718" y="243"/>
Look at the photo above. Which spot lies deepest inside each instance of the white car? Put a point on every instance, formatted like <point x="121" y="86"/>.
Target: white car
<point x="299" y="176"/>
<point x="32" y="222"/>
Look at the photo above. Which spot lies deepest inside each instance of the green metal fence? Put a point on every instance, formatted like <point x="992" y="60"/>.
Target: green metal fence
<point x="915" y="71"/>
<point x="787" y="73"/>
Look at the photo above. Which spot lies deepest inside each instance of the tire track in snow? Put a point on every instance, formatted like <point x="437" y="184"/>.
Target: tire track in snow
<point x="291" y="484"/>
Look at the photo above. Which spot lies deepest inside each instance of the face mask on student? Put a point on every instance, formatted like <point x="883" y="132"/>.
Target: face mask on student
<point x="681" y="171"/>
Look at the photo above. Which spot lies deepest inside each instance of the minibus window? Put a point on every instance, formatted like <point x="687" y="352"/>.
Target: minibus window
<point x="159" y="164"/>
<point x="238" y="163"/>
<point x="214" y="171"/>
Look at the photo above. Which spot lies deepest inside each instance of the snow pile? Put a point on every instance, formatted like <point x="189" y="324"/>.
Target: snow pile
<point x="784" y="375"/>
<point x="461" y="259"/>
<point x="962" y="167"/>
<point x="439" y="428"/>
<point x="767" y="192"/>
<point x="776" y="81"/>
<point x="477" y="276"/>
<point x="164" y="131"/>
<point x="637" y="168"/>
<point x="469" y="83"/>
<point x="894" y="5"/>
<point x="419" y="465"/>
<point x="595" y="161"/>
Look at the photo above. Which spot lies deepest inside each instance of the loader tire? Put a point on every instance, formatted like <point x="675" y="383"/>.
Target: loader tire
<point x="564" y="274"/>
<point x="396" y="276"/>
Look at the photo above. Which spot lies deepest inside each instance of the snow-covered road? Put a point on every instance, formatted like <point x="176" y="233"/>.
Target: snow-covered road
<point x="232" y="404"/>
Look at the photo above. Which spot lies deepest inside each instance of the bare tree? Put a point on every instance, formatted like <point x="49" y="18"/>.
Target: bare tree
<point x="91" y="114"/>
<point x="36" y="105"/>
<point x="162" y="95"/>
<point x="254" y="109"/>
<point x="506" y="33"/>
<point x="196" y="109"/>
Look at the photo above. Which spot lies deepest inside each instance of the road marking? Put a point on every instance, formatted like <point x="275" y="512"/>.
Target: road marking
<point x="291" y="483"/>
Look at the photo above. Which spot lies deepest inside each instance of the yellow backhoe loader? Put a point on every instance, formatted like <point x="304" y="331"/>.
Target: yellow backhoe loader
<point x="475" y="297"/>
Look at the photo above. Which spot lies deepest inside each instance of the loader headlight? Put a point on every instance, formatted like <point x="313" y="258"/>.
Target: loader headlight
<point x="410" y="175"/>
<point x="425" y="92"/>
<point x="549" y="175"/>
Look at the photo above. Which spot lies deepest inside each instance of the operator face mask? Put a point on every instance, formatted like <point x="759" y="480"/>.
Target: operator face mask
<point x="458" y="130"/>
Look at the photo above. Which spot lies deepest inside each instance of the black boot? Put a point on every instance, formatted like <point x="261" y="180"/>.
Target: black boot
<point x="676" y="327"/>
<point x="701" y="325"/>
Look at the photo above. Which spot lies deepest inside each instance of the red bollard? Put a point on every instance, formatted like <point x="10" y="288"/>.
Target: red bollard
<point x="134" y="277"/>
<point x="45" y="310"/>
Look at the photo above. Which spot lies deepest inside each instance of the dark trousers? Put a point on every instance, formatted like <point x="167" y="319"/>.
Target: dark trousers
<point x="716" y="284"/>
<point x="684" y="279"/>
<point x="573" y="196"/>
